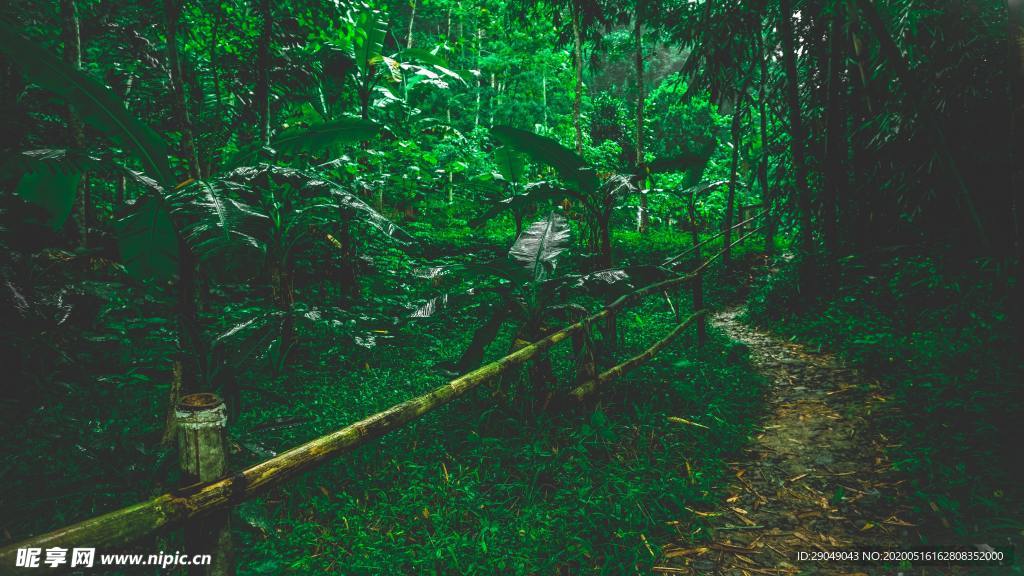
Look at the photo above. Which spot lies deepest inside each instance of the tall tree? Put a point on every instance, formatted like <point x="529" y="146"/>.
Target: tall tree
<point x="915" y="92"/>
<point x="737" y="141"/>
<point x="762" y="165"/>
<point x="71" y="36"/>
<point x="641" y="168"/>
<point x="182" y="120"/>
<point x="412" y="21"/>
<point x="263" y="71"/>
<point x="835" y="145"/>
<point x="797" y="138"/>
<point x="1015" y="43"/>
<point x="191" y="366"/>
<point x="577" y="53"/>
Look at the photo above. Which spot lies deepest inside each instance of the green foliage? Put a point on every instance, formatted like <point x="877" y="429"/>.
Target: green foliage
<point x="511" y="164"/>
<point x="572" y="169"/>
<point x="97" y="105"/>
<point x="485" y="489"/>
<point x="370" y="31"/>
<point x="538" y="247"/>
<point x="316" y="137"/>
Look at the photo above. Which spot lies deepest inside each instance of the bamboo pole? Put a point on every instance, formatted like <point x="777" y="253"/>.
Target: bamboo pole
<point x="584" y="390"/>
<point x="672" y="261"/>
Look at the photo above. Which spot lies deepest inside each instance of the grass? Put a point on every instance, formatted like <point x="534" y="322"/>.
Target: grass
<point x="479" y="487"/>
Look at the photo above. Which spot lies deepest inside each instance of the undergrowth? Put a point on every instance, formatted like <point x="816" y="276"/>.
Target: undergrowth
<point x="484" y="485"/>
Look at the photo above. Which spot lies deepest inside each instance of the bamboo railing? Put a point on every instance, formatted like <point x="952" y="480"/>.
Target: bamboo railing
<point x="675" y="259"/>
<point x="117" y="529"/>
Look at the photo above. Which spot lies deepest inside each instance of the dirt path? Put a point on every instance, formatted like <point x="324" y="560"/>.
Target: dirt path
<point x="815" y="479"/>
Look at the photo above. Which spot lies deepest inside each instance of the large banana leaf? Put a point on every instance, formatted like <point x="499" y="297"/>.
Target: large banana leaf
<point x="370" y="31"/>
<point x="319" y="197"/>
<point x="97" y="105"/>
<point x="608" y="283"/>
<point x="422" y="56"/>
<point x="707" y="186"/>
<point x="147" y="237"/>
<point x="221" y="230"/>
<point x="539" y="246"/>
<point x="148" y="240"/>
<point x="616" y="186"/>
<point x="351" y="205"/>
<point x="49" y="179"/>
<point x="56" y="160"/>
<point x="444" y="302"/>
<point x="570" y="167"/>
<point x="54" y="191"/>
<point x="535" y="193"/>
<point x="320" y="136"/>
<point x="511" y="164"/>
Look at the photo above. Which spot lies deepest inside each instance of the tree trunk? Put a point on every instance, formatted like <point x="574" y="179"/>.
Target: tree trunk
<point x="76" y="128"/>
<point x="797" y="145"/>
<point x="190" y="343"/>
<point x="263" y="73"/>
<point x="544" y="98"/>
<point x="641" y="170"/>
<point x="836" y="146"/>
<point x="348" y="273"/>
<point x="858" y="215"/>
<point x="412" y="20"/>
<point x="218" y="105"/>
<point x="730" y="203"/>
<point x="577" y="104"/>
<point x="480" y="77"/>
<point x="606" y="244"/>
<point x="119" y="198"/>
<point x="193" y="355"/>
<point x="1015" y="41"/>
<point x="762" y="168"/>
<point x="172" y="11"/>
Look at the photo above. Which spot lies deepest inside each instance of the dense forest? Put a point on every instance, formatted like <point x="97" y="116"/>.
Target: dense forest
<point x="511" y="286"/>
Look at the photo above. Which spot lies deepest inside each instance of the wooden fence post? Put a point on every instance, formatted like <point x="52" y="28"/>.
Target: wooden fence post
<point x="202" y="445"/>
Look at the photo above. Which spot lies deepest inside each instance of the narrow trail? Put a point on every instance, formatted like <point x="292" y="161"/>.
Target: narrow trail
<point x="815" y="479"/>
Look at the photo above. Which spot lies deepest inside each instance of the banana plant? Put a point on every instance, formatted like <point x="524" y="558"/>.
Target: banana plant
<point x="526" y="289"/>
<point x="577" y="183"/>
<point x="374" y="70"/>
<point x="510" y="179"/>
<point x="258" y="220"/>
<point x="147" y="235"/>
